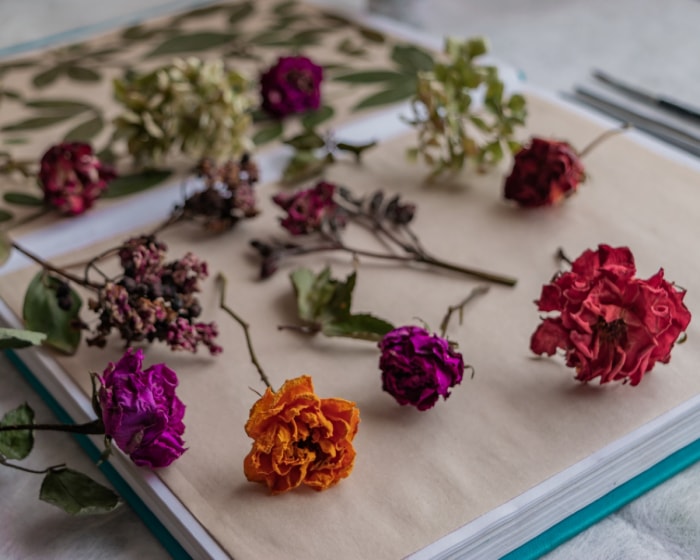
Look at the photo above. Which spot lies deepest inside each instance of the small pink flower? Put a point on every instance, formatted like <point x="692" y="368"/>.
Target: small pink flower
<point x="72" y="177"/>
<point x="292" y="85"/>
<point x="308" y="210"/>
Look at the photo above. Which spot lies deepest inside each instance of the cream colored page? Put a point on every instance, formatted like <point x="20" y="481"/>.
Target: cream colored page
<point x="420" y="475"/>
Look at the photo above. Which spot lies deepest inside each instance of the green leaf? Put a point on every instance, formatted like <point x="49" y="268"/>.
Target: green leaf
<point x="9" y="93"/>
<point x="22" y="199"/>
<point x="371" y="77"/>
<point x="268" y="133"/>
<point x="67" y="107"/>
<point x="199" y="12"/>
<point x="82" y="74"/>
<point x="347" y="46"/>
<point x="285" y="7"/>
<point x="398" y="92"/>
<point x="303" y="165"/>
<point x="314" y="118"/>
<point x="15" y="141"/>
<point x="239" y="12"/>
<point x="138" y="32"/>
<point x="42" y="313"/>
<point x="136" y="182"/>
<point x="19" y="338"/>
<point x="85" y="131"/>
<point x="362" y="325"/>
<point x="5" y="247"/>
<point x="34" y="123"/>
<point x="47" y="77"/>
<point x="5" y="216"/>
<point x="77" y="494"/>
<point x="192" y="42"/>
<point x="412" y="59"/>
<point x="306" y="141"/>
<point x="372" y="35"/>
<point x="306" y="38"/>
<point x="17" y="444"/>
<point x="303" y="282"/>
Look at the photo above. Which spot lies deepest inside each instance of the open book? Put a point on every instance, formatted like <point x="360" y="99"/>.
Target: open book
<point x="518" y="459"/>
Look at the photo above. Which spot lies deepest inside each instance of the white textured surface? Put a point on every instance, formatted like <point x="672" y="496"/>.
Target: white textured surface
<point x="555" y="44"/>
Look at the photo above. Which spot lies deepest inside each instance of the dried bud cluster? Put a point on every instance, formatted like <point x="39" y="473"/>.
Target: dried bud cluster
<point x="154" y="300"/>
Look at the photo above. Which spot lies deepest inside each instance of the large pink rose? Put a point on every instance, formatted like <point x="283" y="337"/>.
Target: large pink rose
<point x="610" y="324"/>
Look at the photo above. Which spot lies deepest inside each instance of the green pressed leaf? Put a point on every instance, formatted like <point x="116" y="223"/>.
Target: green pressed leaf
<point x="138" y="32"/>
<point x="34" y="123"/>
<point x="362" y="325"/>
<point x="412" y="59"/>
<point x="372" y="35"/>
<point x="41" y="313"/>
<point x="269" y="39"/>
<point x="18" y="65"/>
<point x="306" y="141"/>
<point x="17" y="444"/>
<point x="77" y="494"/>
<point x="303" y="165"/>
<point x="268" y="133"/>
<point x="19" y="338"/>
<point x="285" y="7"/>
<point x="302" y="282"/>
<point x="82" y="74"/>
<point x="199" y="12"/>
<point x="5" y="215"/>
<point x="192" y="42"/>
<point x="5" y="247"/>
<point x="136" y="182"/>
<point x="62" y="106"/>
<point x="306" y="38"/>
<point x="10" y="93"/>
<point x="313" y="119"/>
<point x="15" y="141"/>
<point x="239" y="12"/>
<point x="371" y="77"/>
<point x="347" y="46"/>
<point x="22" y="199"/>
<point x="47" y="77"/>
<point x="85" y="131"/>
<point x="398" y="92"/>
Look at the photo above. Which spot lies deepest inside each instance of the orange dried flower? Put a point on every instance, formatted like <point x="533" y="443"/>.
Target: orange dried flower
<point x="300" y="438"/>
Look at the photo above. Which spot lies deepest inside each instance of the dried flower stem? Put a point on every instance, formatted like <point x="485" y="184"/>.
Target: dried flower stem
<point x="476" y="292"/>
<point x="93" y="427"/>
<point x="51" y="268"/>
<point x="5" y="463"/>
<point x="603" y="137"/>
<point x="221" y="280"/>
<point x="28" y="218"/>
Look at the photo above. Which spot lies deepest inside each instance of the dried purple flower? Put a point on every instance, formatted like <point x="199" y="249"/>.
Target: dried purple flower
<point x="310" y="209"/>
<point x="292" y="85"/>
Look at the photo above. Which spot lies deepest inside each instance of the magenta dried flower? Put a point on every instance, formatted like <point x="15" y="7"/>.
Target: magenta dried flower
<point x="72" y="177"/>
<point x="418" y="367"/>
<point x="310" y="209"/>
<point x="141" y="411"/>
<point x="292" y="85"/>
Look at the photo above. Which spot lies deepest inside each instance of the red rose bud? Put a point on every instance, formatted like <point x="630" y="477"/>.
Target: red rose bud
<point x="610" y="324"/>
<point x="293" y="85"/>
<point x="544" y="173"/>
<point x="417" y="367"/>
<point x="141" y="411"/>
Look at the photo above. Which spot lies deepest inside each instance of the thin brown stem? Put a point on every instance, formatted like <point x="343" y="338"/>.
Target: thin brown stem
<point x="476" y="292"/>
<point x="51" y="268"/>
<point x="221" y="279"/>
<point x="94" y="427"/>
<point x="603" y="137"/>
<point x="4" y="462"/>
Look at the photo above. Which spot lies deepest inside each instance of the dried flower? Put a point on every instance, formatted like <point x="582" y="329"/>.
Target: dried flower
<point x="292" y="85"/>
<point x="141" y="411"/>
<point x="417" y="367"/>
<point x="544" y="173"/>
<point x="300" y="438"/>
<point x="452" y="129"/>
<point x="610" y="324"/>
<point x="309" y="210"/>
<point x="200" y="108"/>
<point x="72" y="177"/>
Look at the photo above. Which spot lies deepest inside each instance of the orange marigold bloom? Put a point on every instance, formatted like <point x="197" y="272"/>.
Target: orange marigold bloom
<point x="300" y="438"/>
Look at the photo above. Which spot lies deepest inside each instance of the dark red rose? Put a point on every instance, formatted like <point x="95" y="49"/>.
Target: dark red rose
<point x="544" y="173"/>
<point x="292" y="85"/>
<point x="307" y="210"/>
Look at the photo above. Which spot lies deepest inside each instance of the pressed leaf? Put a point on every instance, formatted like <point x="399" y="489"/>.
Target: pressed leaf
<point x="347" y="46"/>
<point x="239" y="12"/>
<point x="136" y="182"/>
<point x="268" y="133"/>
<point x="138" y="32"/>
<point x="412" y="59"/>
<point x="9" y="93"/>
<point x="5" y="216"/>
<point x="199" y="12"/>
<point x="19" y="338"/>
<point x="192" y="42"/>
<point x="22" y="199"/>
<point x="47" y="77"/>
<point x="5" y="247"/>
<point x="308" y="140"/>
<point x="398" y="92"/>
<point x="304" y="164"/>
<point x="15" y="141"/>
<point x="285" y="7"/>
<point x="82" y="74"/>
<point x="77" y="493"/>
<point x="42" y="313"/>
<point x="372" y="35"/>
<point x="17" y="444"/>
<point x="371" y="77"/>
<point x="85" y="131"/>
<point x="313" y="119"/>
<point x="63" y="106"/>
<point x="362" y="325"/>
<point x="35" y="122"/>
<point x="303" y="281"/>
<point x="268" y="39"/>
<point x="306" y="38"/>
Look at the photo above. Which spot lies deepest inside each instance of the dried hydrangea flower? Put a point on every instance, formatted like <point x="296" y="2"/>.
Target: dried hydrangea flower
<point x="610" y="324"/>
<point x="200" y="108"/>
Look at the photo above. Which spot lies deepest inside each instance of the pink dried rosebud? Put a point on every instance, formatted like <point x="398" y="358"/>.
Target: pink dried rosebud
<point x="417" y="367"/>
<point x="308" y="210"/>
<point x="610" y="324"/>
<point x="544" y="173"/>
<point x="72" y="177"/>
<point x="141" y="411"/>
<point x="292" y="85"/>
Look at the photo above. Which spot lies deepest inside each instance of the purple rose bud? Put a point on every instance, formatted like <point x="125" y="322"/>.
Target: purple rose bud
<point x="418" y="367"/>
<point x="307" y="210"/>
<point x="72" y="177"/>
<point x="141" y="412"/>
<point x="293" y="85"/>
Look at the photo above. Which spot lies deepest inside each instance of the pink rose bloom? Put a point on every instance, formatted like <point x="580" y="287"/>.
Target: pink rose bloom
<point x="292" y="85"/>
<point x="610" y="324"/>
<point x="72" y="177"/>
<point x="307" y="210"/>
<point x="141" y="411"/>
<point x="417" y="367"/>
